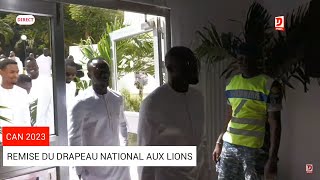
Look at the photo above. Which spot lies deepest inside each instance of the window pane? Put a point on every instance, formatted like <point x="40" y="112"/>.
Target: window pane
<point x="26" y="71"/>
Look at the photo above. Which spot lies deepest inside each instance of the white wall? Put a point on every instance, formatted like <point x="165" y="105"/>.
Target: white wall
<point x="301" y="122"/>
<point x="300" y="143"/>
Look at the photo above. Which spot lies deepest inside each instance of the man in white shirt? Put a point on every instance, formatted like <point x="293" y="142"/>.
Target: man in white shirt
<point x="42" y="92"/>
<point x="32" y="68"/>
<point x="71" y="72"/>
<point x="96" y="118"/>
<point x="14" y="98"/>
<point x="71" y="89"/>
<point x="44" y="62"/>
<point x="173" y="114"/>
<point x="13" y="56"/>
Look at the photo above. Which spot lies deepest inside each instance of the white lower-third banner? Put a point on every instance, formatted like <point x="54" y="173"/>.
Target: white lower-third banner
<point x="100" y="156"/>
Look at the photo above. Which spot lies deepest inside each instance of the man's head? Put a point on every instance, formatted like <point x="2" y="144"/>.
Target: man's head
<point x="182" y="65"/>
<point x="70" y="57"/>
<point x="99" y="73"/>
<point x="247" y="59"/>
<point x="2" y="57"/>
<point x="71" y="70"/>
<point x="32" y="68"/>
<point x="25" y="82"/>
<point x="46" y="52"/>
<point x="31" y="55"/>
<point x="9" y="72"/>
<point x="12" y="54"/>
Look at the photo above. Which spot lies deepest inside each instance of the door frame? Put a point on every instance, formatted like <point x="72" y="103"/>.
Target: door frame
<point x="129" y="6"/>
<point x="54" y="11"/>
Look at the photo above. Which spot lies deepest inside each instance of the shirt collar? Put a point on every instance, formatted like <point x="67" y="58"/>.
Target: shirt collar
<point x="98" y="95"/>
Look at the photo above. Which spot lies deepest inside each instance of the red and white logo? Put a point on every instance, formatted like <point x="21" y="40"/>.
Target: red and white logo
<point x="25" y="19"/>
<point x="309" y="168"/>
<point x="279" y="23"/>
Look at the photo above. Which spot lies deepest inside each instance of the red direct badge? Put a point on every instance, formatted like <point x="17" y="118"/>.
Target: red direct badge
<point x="25" y="136"/>
<point x="309" y="168"/>
<point x="279" y="23"/>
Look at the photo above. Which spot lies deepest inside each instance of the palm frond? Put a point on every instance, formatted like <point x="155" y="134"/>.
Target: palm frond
<point x="214" y="48"/>
<point x="86" y="47"/>
<point x="257" y="27"/>
<point x="302" y="82"/>
<point x="229" y="70"/>
<point x="2" y="117"/>
<point x="6" y="31"/>
<point x="287" y="52"/>
<point x="5" y="119"/>
<point x="283" y="55"/>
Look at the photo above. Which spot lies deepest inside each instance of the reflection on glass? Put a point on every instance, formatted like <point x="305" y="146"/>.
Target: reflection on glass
<point x="136" y="69"/>
<point x="72" y="74"/>
<point x="26" y="97"/>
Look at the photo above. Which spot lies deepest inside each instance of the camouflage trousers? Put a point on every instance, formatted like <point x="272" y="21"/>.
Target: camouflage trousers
<point x="240" y="163"/>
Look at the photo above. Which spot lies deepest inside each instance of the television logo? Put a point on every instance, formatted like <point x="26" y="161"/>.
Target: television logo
<point x="309" y="168"/>
<point x="279" y="23"/>
<point x="25" y="19"/>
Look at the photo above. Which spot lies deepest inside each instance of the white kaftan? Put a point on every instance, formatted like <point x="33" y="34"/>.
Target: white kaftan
<point x="95" y="121"/>
<point x="171" y="118"/>
<point x="17" y="106"/>
<point x="45" y="65"/>
<point x="70" y="93"/>
<point x="42" y="90"/>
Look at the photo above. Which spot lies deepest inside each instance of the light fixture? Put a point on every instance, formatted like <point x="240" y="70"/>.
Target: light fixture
<point x="148" y="25"/>
<point x="23" y="37"/>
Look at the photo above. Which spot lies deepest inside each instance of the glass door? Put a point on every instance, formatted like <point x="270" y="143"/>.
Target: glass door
<point x="138" y="61"/>
<point x="137" y="56"/>
<point x="31" y="34"/>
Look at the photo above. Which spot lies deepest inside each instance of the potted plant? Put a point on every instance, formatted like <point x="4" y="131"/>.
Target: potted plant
<point x="282" y="55"/>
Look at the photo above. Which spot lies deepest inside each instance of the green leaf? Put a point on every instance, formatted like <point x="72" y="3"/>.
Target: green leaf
<point x="33" y="112"/>
<point x="286" y="82"/>
<point x="302" y="81"/>
<point x="5" y="119"/>
<point x="229" y="73"/>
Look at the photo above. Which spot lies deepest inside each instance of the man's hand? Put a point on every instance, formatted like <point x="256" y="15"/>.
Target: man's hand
<point x="217" y="152"/>
<point x="271" y="170"/>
